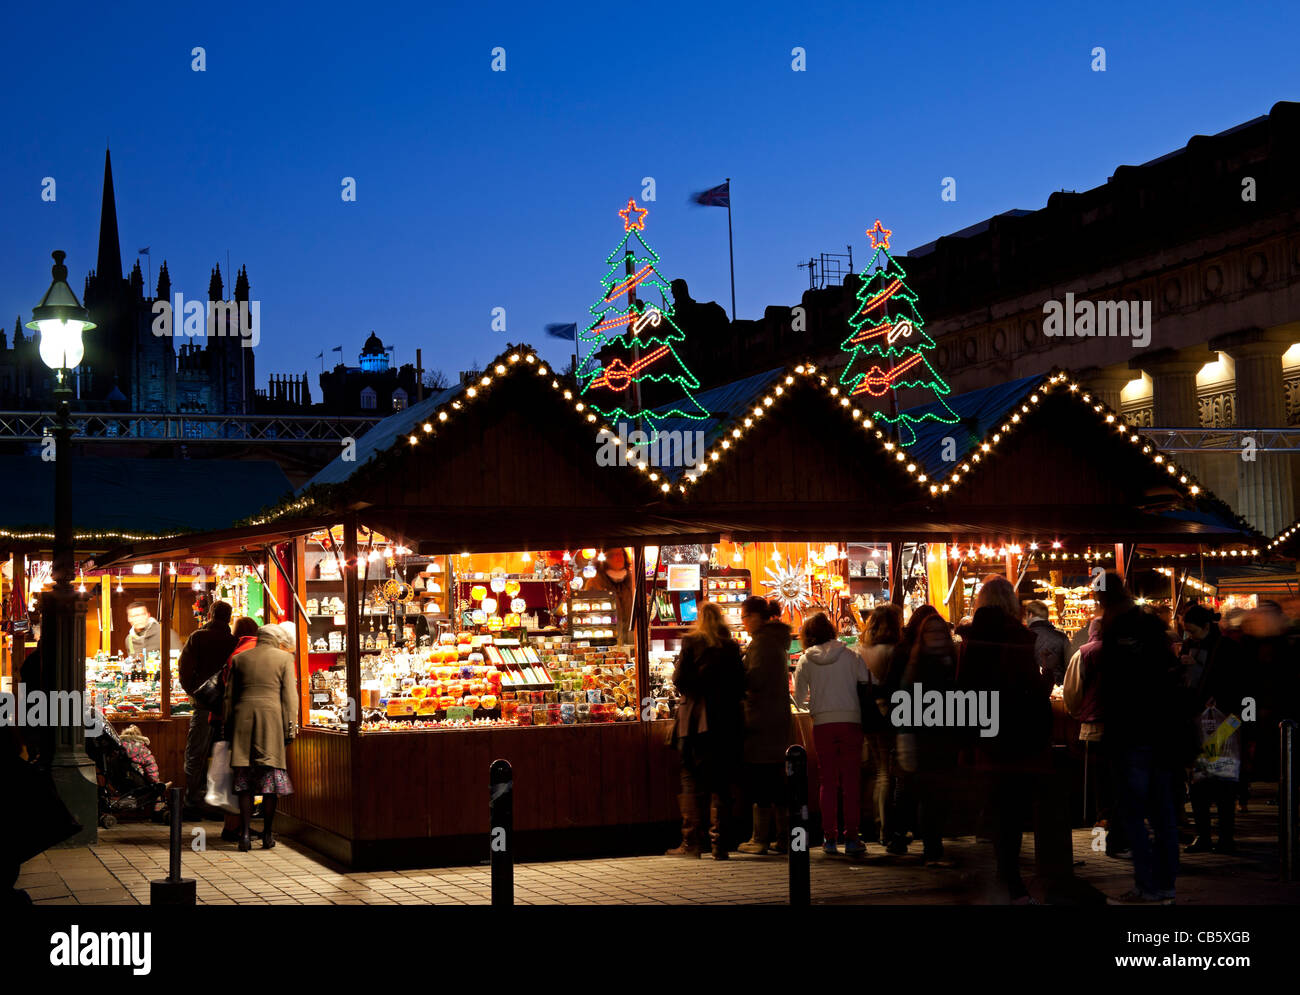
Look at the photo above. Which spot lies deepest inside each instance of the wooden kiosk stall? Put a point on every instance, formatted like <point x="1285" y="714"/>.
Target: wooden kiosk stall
<point x="442" y="508"/>
<point x="117" y="501"/>
<point x="463" y="511"/>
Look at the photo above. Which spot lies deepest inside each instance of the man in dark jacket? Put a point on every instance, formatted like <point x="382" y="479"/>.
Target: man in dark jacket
<point x="1147" y="736"/>
<point x="205" y="653"/>
<point x="1051" y="646"/>
<point x="997" y="659"/>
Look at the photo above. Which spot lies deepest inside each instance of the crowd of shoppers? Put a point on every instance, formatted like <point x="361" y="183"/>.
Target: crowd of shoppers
<point x="1156" y="697"/>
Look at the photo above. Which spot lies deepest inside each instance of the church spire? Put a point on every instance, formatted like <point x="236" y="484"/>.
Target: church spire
<point x="215" y="285"/>
<point x="164" y="283"/>
<point x="241" y="284"/>
<point x="109" y="264"/>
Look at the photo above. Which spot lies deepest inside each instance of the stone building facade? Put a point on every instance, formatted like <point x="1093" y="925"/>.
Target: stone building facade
<point x="1208" y="236"/>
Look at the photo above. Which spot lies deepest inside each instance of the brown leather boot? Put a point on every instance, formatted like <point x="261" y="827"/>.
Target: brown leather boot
<point x="690" y="845"/>
<point x="718" y="826"/>
<point x="780" y="830"/>
<point x="759" y="841"/>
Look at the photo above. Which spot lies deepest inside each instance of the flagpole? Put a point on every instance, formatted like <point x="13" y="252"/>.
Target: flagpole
<point x="731" y="251"/>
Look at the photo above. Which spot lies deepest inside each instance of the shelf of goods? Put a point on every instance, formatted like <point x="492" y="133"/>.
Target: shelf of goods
<point x="470" y="680"/>
<point x="594" y="617"/>
<point x="124" y="687"/>
<point x="662" y="692"/>
<point x="728" y="590"/>
<point x="1069" y="608"/>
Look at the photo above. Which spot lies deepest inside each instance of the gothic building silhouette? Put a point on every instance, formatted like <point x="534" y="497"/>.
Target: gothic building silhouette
<point x="126" y="366"/>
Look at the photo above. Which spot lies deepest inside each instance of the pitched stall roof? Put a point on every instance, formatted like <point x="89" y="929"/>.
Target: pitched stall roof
<point x="1054" y="458"/>
<point x="508" y="462"/>
<point x="1286" y="542"/>
<point x="384" y="435"/>
<point x="797" y="457"/>
<point x="511" y="462"/>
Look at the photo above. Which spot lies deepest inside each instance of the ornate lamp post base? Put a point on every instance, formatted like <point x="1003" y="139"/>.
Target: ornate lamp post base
<point x="63" y="631"/>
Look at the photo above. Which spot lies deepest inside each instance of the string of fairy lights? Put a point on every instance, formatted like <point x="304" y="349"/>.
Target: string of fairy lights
<point x="734" y="431"/>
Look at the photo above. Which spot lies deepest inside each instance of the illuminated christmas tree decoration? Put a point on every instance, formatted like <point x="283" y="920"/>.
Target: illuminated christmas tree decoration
<point x="631" y="340"/>
<point x="888" y="346"/>
<point x="633" y="216"/>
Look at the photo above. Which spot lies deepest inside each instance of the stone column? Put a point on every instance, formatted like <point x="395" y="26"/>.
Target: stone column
<point x="1106" y="383"/>
<point x="1265" y="496"/>
<point x="1173" y="391"/>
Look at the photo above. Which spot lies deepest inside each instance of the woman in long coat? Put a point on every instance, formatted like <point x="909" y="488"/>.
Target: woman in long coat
<point x="259" y="722"/>
<point x="768" y="724"/>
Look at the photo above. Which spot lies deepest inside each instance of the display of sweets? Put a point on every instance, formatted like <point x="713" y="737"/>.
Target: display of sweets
<point x="600" y="681"/>
<point x="470" y="680"/>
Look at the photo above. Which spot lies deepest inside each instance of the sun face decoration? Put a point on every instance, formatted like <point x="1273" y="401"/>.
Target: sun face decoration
<point x="788" y="586"/>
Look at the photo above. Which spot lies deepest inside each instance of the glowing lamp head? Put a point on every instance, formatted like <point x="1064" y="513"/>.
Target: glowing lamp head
<point x="60" y="319"/>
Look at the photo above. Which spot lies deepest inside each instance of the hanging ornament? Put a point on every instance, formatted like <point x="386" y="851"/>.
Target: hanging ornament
<point x="589" y="571"/>
<point x="590" y="554"/>
<point x="489" y="605"/>
<point x="513" y="621"/>
<point x="478" y="592"/>
<point x="498" y="584"/>
<point x="576" y="583"/>
<point x="494" y="623"/>
<point x="788" y="586"/>
<point x="512" y="587"/>
<point x="479" y="616"/>
<point x="518" y="605"/>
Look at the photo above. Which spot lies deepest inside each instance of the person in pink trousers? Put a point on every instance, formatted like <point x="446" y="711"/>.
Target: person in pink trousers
<point x="826" y="682"/>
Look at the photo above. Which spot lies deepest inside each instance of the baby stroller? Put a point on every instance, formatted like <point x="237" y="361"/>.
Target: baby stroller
<point x="123" y="785"/>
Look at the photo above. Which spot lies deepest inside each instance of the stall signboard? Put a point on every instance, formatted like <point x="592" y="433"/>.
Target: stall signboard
<point x="683" y="576"/>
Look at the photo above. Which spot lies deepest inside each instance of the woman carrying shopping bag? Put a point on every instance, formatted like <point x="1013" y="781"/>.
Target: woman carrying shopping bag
<point x="259" y="723"/>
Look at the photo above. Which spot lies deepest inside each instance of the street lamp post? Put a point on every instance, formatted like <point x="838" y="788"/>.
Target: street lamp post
<point x="60" y="319"/>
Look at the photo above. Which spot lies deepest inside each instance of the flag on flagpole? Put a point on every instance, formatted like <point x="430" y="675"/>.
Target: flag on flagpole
<point x="142" y="252"/>
<point x="321" y="354"/>
<point x="337" y="348"/>
<point x="719" y="196"/>
<point x="559" y="331"/>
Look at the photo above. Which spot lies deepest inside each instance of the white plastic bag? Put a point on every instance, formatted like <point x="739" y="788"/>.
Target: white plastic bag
<point x="221" y="780"/>
<point x="1220" y="757"/>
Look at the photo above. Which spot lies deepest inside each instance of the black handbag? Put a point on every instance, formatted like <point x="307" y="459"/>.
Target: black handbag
<point x="211" y="694"/>
<point x="872" y="719"/>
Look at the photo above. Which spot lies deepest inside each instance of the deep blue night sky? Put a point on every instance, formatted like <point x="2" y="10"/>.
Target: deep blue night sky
<point x="479" y="189"/>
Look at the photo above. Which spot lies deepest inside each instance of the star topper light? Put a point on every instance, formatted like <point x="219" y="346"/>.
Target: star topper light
<point x="634" y="217"/>
<point x="879" y="235"/>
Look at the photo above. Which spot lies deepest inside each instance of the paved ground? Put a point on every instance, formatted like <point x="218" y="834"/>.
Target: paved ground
<point x="118" y="869"/>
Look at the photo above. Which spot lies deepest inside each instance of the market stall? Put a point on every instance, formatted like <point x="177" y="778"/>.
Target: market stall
<point x="441" y="586"/>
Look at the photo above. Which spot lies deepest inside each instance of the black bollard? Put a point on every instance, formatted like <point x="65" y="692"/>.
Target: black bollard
<point x="501" y="814"/>
<point x="1288" y="802"/>
<point x="796" y="779"/>
<point x="174" y="889"/>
